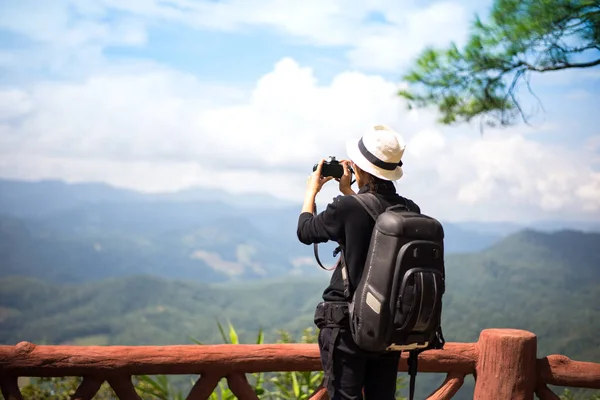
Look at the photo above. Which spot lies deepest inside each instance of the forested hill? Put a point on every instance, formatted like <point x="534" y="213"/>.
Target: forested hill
<point x="546" y="283"/>
<point x="549" y="284"/>
<point x="567" y="247"/>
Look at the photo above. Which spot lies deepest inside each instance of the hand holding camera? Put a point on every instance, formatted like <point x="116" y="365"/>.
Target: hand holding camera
<point x="340" y="170"/>
<point x="316" y="180"/>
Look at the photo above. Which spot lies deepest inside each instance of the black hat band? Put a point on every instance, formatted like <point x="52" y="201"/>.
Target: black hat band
<point x="376" y="161"/>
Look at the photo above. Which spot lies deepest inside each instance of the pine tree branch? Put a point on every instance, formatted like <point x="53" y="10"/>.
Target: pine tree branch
<point x="557" y="67"/>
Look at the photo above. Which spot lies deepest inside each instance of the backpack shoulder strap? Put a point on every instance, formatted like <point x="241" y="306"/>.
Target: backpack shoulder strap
<point x="371" y="203"/>
<point x="412" y="206"/>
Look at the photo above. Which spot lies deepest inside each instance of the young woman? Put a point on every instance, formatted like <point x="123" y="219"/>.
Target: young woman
<point x="376" y="159"/>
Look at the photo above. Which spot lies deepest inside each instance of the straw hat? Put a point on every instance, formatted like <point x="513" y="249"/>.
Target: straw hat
<point x="379" y="152"/>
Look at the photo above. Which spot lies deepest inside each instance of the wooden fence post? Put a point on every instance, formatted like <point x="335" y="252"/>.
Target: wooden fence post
<point x="506" y="363"/>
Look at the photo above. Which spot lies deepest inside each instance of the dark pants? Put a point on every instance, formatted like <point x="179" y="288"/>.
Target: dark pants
<point x="354" y="370"/>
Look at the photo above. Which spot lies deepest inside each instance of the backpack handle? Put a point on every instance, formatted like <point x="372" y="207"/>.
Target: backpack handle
<point x="396" y="206"/>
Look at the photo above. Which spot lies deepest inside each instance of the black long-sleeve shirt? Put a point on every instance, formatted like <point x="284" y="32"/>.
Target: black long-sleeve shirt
<point x="345" y="221"/>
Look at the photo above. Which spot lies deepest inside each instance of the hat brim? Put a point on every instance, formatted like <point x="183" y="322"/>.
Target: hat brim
<point x="356" y="156"/>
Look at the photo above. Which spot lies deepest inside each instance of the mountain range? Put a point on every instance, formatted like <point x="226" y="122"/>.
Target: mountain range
<point x="78" y="232"/>
<point x="93" y="264"/>
<point x="547" y="283"/>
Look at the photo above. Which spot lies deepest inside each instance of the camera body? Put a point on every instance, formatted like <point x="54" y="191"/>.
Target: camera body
<point x="332" y="167"/>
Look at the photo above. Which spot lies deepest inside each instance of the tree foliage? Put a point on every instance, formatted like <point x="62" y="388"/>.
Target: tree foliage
<point x="569" y="394"/>
<point x="521" y="37"/>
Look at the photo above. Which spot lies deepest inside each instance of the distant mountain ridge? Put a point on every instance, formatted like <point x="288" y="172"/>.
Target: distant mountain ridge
<point x="88" y="231"/>
<point x="42" y="197"/>
<point x="208" y="252"/>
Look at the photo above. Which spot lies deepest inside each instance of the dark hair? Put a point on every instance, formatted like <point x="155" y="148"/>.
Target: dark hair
<point x="375" y="182"/>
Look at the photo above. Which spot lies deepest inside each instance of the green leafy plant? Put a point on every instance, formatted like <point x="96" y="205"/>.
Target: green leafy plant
<point x="298" y="385"/>
<point x="224" y="393"/>
<point x="158" y="387"/>
<point x="567" y="394"/>
<point x="280" y="385"/>
<point x="60" y="389"/>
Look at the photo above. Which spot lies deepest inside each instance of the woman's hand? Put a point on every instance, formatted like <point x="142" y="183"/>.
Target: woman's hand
<point x="313" y="185"/>
<point x="346" y="179"/>
<point x="316" y="181"/>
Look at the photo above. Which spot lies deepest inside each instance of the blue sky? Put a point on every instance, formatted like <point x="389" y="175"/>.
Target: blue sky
<point x="246" y="96"/>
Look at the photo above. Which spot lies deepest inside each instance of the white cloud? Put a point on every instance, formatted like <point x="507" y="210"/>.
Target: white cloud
<point x="590" y="193"/>
<point x="385" y="45"/>
<point x="158" y="129"/>
<point x="164" y="115"/>
<point x="14" y="103"/>
<point x="391" y="46"/>
<point x="66" y="36"/>
<point x="71" y="23"/>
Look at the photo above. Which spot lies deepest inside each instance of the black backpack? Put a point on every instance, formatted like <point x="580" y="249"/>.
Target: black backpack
<point x="397" y="305"/>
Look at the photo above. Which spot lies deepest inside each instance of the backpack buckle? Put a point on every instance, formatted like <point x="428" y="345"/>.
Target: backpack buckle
<point x="407" y="347"/>
<point x="338" y="314"/>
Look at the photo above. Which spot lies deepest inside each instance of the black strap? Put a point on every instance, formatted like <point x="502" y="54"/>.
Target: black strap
<point x="440" y="337"/>
<point x="316" y="249"/>
<point x="329" y="376"/>
<point x="371" y="203"/>
<point x="413" y="360"/>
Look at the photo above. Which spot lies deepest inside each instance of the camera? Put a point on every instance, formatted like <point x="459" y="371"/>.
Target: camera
<point x="333" y="168"/>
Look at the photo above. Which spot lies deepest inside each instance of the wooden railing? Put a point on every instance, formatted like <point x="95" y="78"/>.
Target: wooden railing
<point x="503" y="363"/>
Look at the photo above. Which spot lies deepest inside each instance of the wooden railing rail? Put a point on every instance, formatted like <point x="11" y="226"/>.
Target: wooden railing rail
<point x="503" y="362"/>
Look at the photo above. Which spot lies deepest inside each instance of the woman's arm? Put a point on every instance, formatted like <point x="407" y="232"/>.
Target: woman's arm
<point x="309" y="202"/>
<point x="322" y="227"/>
